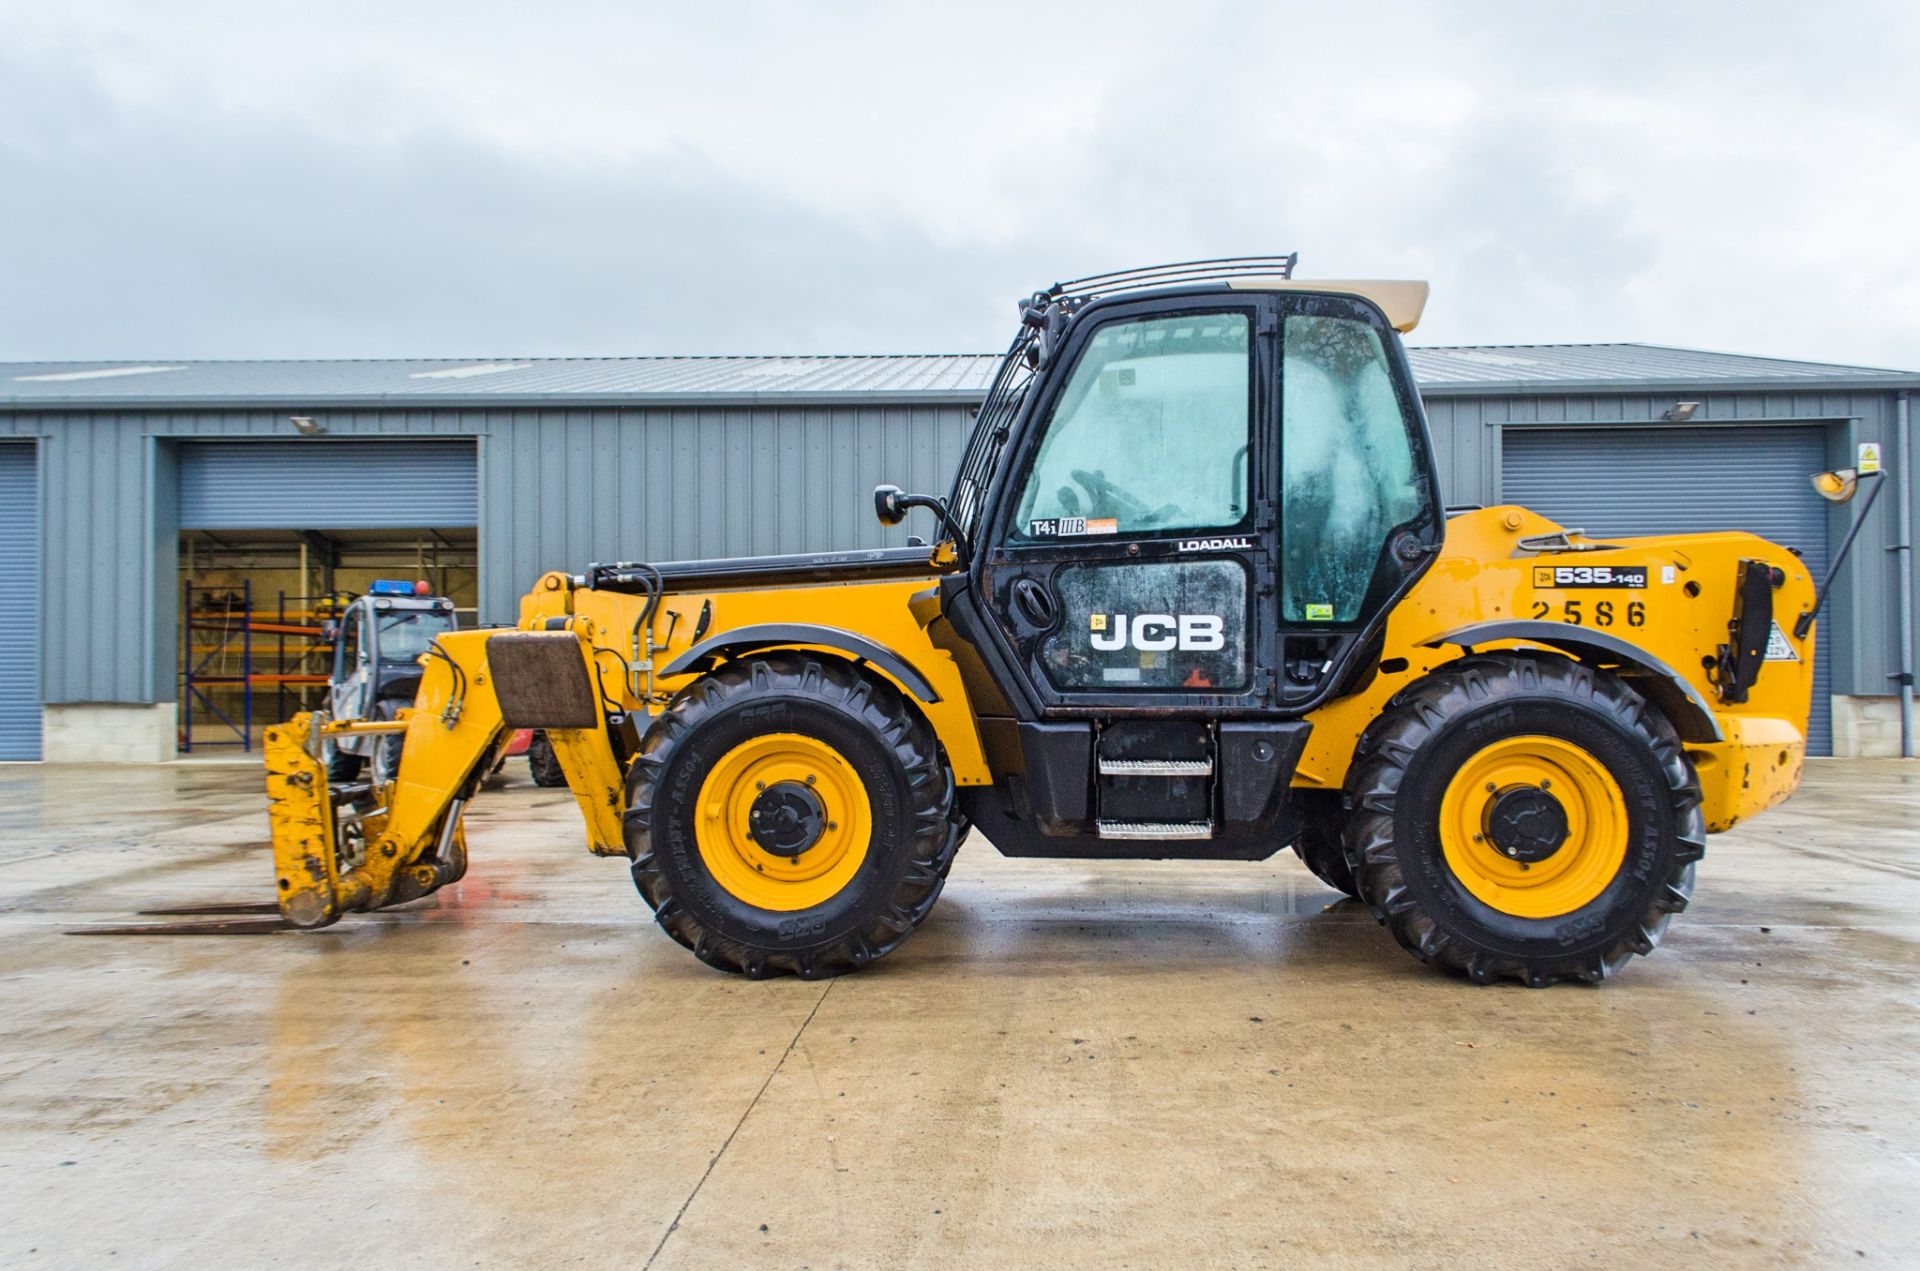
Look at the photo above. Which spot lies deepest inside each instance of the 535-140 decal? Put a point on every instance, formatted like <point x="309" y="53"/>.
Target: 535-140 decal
<point x="1629" y="577"/>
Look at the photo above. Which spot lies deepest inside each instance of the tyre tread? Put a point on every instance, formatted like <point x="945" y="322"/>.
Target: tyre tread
<point x="1389" y="747"/>
<point x="938" y="825"/>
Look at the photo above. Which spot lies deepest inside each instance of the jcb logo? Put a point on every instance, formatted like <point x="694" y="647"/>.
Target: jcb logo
<point x="1155" y="632"/>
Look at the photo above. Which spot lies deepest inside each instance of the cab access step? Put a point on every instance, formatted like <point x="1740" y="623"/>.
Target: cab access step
<point x="1155" y="780"/>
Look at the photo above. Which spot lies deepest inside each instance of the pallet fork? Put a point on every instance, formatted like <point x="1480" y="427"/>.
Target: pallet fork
<point x="366" y="846"/>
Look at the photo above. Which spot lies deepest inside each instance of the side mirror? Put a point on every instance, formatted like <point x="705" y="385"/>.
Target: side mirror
<point x="330" y="631"/>
<point x="891" y="504"/>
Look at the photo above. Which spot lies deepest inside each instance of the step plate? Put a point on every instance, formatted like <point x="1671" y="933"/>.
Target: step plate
<point x="1156" y="767"/>
<point x="1156" y="830"/>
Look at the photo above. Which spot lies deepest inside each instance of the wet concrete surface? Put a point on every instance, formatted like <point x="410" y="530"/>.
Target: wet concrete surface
<point x="1122" y="1065"/>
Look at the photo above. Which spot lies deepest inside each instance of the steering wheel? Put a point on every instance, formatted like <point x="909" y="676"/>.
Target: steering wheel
<point x="1104" y="498"/>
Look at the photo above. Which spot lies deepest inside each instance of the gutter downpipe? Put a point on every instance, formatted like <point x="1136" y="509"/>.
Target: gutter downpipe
<point x="1903" y="553"/>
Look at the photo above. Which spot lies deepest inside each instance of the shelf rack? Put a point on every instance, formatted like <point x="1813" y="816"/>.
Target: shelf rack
<point x="229" y="646"/>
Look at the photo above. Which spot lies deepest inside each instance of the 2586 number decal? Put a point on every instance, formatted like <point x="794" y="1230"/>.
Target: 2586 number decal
<point x="1603" y="613"/>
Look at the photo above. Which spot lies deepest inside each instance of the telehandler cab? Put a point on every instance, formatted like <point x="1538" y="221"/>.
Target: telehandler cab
<point x="1194" y="596"/>
<point x="377" y="643"/>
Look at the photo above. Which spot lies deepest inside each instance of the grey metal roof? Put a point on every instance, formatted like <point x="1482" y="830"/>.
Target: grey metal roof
<point x="428" y="382"/>
<point x="929" y="378"/>
<point x="1562" y="367"/>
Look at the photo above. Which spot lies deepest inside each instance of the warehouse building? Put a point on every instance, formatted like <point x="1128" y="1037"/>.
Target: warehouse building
<point x="171" y="534"/>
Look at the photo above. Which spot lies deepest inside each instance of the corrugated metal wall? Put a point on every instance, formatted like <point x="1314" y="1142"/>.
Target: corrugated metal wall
<point x="565" y="487"/>
<point x="19" y="601"/>
<point x="558" y="489"/>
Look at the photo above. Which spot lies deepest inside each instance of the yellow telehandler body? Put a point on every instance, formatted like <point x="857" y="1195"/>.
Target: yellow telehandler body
<point x="1194" y="596"/>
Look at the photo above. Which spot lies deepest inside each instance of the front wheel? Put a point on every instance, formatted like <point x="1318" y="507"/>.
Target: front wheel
<point x="790" y="814"/>
<point x="1522" y="816"/>
<point x="542" y="764"/>
<point x="341" y="766"/>
<point x="387" y="747"/>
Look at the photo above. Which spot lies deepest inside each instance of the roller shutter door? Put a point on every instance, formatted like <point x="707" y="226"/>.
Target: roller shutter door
<point x="328" y="485"/>
<point x="19" y="601"/>
<point x="1682" y="480"/>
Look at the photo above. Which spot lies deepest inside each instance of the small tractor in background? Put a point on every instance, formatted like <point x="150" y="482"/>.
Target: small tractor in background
<point x="1194" y="595"/>
<point x="378" y="641"/>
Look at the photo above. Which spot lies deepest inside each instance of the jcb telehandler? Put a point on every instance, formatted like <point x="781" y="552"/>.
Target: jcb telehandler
<point x="1193" y="596"/>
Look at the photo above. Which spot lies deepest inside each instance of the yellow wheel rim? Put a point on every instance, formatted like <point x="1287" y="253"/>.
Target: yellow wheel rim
<point x="766" y="772"/>
<point x="1572" y="875"/>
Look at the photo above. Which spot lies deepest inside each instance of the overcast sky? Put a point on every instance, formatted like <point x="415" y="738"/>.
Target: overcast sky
<point x="198" y="180"/>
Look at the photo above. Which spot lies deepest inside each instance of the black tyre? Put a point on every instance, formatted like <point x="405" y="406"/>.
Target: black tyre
<point x="387" y="747"/>
<point x="1521" y="816"/>
<point x="790" y="814"/>
<point x="543" y="764"/>
<point x="341" y="766"/>
<point x="1320" y="847"/>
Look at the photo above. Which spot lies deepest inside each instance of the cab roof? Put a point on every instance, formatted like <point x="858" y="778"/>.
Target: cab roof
<point x="1402" y="300"/>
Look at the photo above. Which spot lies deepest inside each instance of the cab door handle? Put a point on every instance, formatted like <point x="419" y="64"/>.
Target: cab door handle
<point x="1034" y="602"/>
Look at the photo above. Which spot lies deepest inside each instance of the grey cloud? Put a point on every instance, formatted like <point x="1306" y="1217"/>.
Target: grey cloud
<point x="1559" y="174"/>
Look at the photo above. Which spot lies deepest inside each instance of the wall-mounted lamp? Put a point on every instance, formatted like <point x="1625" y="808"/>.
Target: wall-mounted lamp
<point x="1681" y="412"/>
<point x="1837" y="486"/>
<point x="306" y="426"/>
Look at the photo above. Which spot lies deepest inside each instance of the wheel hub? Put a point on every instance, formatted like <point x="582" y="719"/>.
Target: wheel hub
<point x="786" y="819"/>
<point x="1526" y="823"/>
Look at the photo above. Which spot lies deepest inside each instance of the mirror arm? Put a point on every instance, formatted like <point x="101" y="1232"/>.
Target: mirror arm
<point x="891" y="504"/>
<point x="1804" y="623"/>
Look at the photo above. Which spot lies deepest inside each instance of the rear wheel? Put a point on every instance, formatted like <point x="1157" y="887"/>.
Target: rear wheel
<point x="1522" y="816"/>
<point x="1319" y="846"/>
<point x="790" y="814"/>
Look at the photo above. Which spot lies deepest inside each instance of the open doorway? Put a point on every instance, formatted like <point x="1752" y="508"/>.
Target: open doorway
<point x="254" y="608"/>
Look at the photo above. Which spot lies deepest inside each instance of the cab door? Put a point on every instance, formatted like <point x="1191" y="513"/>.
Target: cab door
<point x="353" y="665"/>
<point x="1131" y="553"/>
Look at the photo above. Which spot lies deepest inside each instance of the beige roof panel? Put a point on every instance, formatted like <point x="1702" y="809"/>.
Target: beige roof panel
<point x="1401" y="300"/>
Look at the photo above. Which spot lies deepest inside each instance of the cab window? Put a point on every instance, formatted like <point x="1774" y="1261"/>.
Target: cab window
<point x="1348" y="472"/>
<point x="1150" y="433"/>
<point x="405" y="634"/>
<point x="347" y="654"/>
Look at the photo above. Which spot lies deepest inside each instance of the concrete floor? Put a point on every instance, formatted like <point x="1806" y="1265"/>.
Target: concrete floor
<point x="1121" y="1065"/>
